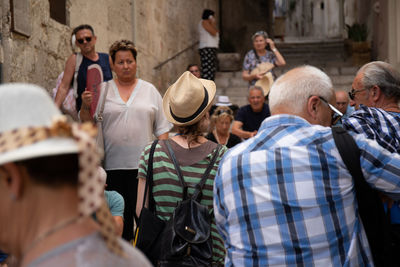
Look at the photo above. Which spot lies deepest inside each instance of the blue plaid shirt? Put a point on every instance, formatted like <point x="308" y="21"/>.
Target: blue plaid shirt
<point x="377" y="124"/>
<point x="285" y="197"/>
<point x="382" y="126"/>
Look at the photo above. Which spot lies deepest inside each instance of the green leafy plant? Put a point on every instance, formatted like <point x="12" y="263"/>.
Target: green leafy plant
<point x="357" y="32"/>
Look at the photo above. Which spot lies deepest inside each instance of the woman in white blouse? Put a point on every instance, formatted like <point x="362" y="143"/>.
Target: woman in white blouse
<point x="132" y="116"/>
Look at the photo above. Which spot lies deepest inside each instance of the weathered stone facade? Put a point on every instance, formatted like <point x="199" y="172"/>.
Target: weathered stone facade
<point x="160" y="29"/>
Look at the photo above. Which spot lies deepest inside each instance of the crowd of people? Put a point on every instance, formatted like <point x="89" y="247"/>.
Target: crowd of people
<point x="268" y="183"/>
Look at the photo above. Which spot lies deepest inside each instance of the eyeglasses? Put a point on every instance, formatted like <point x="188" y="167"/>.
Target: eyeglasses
<point x="222" y="111"/>
<point x="353" y="92"/>
<point x="87" y="39"/>
<point x="337" y="115"/>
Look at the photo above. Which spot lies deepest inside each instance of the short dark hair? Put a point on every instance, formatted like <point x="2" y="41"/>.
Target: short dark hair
<point x="207" y="13"/>
<point x="192" y="65"/>
<point x="83" y="27"/>
<point x="53" y="171"/>
<point x="122" y="45"/>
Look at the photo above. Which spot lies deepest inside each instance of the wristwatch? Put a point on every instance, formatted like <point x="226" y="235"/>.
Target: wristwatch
<point x="274" y="50"/>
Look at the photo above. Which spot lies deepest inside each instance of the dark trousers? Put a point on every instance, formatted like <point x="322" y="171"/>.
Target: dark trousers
<point x="208" y="57"/>
<point x="125" y="182"/>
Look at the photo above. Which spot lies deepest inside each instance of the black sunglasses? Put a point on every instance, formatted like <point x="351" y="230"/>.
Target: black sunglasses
<point x="221" y="111"/>
<point x="88" y="40"/>
<point x="337" y="115"/>
<point x="353" y="92"/>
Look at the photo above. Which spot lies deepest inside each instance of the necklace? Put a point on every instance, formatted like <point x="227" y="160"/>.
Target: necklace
<point x="218" y="140"/>
<point x="49" y="232"/>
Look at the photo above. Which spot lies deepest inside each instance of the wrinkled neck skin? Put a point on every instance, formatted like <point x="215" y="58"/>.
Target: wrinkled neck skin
<point x="36" y="212"/>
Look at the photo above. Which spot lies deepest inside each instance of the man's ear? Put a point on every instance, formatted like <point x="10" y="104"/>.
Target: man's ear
<point x="375" y="93"/>
<point x="312" y="107"/>
<point x="14" y="179"/>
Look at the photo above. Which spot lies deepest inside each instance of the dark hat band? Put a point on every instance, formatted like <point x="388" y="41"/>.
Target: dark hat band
<point x="194" y="115"/>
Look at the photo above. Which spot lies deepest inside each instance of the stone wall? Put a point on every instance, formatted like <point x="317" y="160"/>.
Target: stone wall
<point x="40" y="57"/>
<point x="160" y="29"/>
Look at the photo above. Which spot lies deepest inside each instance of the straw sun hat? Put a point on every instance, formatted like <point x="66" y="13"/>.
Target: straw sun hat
<point x="188" y="99"/>
<point x="31" y="126"/>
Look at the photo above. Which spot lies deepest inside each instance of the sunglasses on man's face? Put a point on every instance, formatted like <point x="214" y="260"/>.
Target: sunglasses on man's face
<point x="336" y="115"/>
<point x="353" y="92"/>
<point x="87" y="39"/>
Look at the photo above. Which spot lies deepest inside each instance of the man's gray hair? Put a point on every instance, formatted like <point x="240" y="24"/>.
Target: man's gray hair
<point x="254" y="87"/>
<point x="383" y="75"/>
<point x="294" y="88"/>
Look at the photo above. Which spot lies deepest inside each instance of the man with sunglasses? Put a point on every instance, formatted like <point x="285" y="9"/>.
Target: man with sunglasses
<point x="375" y="95"/>
<point x="285" y="197"/>
<point x="86" y="41"/>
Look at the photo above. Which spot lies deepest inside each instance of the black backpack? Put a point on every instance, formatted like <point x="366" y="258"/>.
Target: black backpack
<point x="186" y="239"/>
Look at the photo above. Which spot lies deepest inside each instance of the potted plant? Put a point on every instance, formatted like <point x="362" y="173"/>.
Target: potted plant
<point x="360" y="47"/>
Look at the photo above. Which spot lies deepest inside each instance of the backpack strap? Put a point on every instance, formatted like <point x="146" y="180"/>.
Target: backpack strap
<point x="149" y="177"/>
<point x="78" y="61"/>
<point x="177" y="168"/>
<point x="370" y="208"/>
<point x="197" y="195"/>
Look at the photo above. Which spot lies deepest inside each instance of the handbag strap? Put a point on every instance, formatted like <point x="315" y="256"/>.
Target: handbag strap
<point x="199" y="187"/>
<point x="99" y="116"/>
<point x="257" y="57"/>
<point x="349" y="152"/>
<point x="78" y="62"/>
<point x="375" y="222"/>
<point x="149" y="176"/>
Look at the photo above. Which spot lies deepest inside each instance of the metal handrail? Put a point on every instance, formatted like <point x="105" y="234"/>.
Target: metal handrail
<point x="175" y="56"/>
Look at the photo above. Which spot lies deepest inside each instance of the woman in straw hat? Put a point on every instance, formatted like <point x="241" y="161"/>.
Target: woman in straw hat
<point x="132" y="116"/>
<point x="186" y="104"/>
<point x="49" y="188"/>
<point x="263" y="55"/>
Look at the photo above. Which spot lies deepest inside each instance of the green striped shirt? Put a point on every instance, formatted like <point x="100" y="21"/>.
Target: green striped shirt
<point x="167" y="190"/>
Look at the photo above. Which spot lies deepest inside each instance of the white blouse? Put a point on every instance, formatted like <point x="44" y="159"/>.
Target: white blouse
<point x="129" y="127"/>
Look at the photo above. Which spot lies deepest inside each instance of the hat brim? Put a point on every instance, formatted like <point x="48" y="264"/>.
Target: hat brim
<point x="265" y="83"/>
<point x="48" y="147"/>
<point x="223" y="104"/>
<point x="211" y="90"/>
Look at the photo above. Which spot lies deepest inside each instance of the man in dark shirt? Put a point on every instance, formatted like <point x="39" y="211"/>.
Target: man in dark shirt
<point x="249" y="118"/>
<point x="85" y="39"/>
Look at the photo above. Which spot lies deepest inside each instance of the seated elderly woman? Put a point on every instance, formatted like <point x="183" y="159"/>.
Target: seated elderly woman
<point x="222" y="119"/>
<point x="49" y="188"/>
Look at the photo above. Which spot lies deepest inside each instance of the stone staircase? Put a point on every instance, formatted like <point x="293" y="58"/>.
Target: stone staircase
<point x="328" y="55"/>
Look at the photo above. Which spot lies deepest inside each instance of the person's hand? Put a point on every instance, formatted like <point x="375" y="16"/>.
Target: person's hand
<point x="271" y="43"/>
<point x="257" y="76"/>
<point x="87" y="98"/>
<point x="387" y="200"/>
<point x="253" y="133"/>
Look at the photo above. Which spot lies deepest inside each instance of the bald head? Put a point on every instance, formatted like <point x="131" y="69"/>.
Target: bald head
<point x="342" y="101"/>
<point x="291" y="91"/>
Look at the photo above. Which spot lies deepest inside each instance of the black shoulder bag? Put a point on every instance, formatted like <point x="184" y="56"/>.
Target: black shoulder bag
<point x="370" y="208"/>
<point x="186" y="239"/>
<point x="149" y="225"/>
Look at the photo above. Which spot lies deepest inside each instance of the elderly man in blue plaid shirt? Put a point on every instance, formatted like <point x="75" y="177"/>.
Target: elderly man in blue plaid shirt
<point x="285" y="197"/>
<point x="375" y="94"/>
